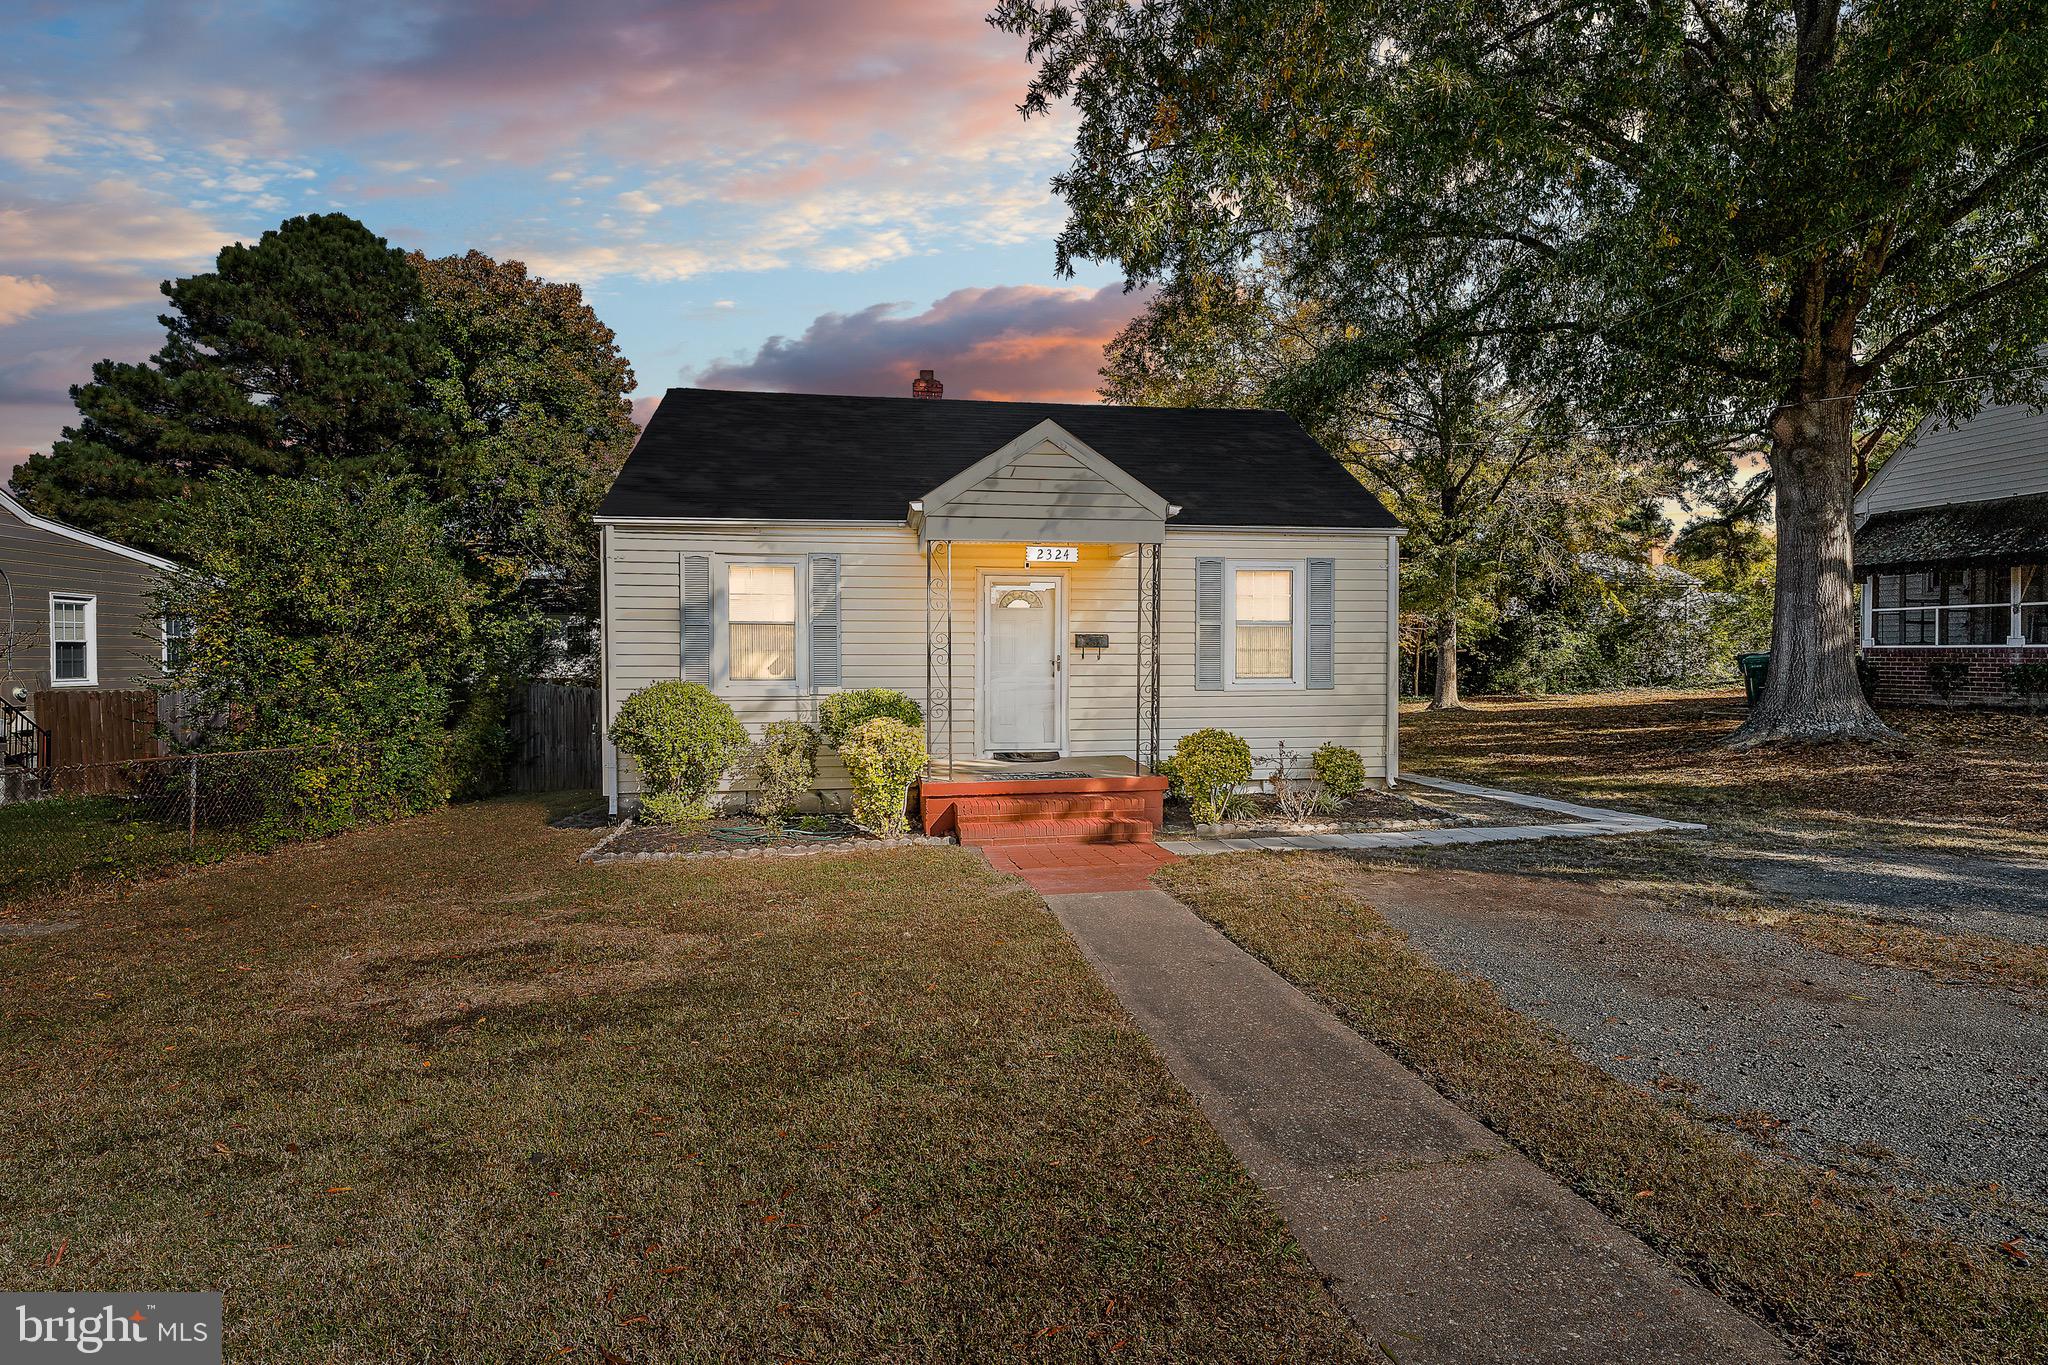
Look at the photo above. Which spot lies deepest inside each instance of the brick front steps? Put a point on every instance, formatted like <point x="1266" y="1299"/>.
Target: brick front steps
<point x="1058" y="834"/>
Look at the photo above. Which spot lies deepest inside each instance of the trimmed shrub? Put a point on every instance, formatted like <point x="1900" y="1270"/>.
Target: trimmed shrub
<point x="683" y="738"/>
<point x="882" y="756"/>
<point x="1164" y="768"/>
<point x="842" y="712"/>
<point x="785" y="768"/>
<point x="1211" y="764"/>
<point x="1340" y="771"/>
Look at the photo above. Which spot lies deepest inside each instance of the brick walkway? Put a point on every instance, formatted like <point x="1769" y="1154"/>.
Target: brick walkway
<point x="1059" y="869"/>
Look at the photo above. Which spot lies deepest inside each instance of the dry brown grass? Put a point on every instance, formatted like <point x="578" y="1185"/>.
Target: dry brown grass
<point x="436" y="1091"/>
<point x="1953" y="778"/>
<point x="1844" y="1272"/>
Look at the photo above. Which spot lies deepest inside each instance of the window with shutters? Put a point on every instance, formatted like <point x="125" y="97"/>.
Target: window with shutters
<point x="759" y="619"/>
<point x="74" y="641"/>
<point x="1265" y="614"/>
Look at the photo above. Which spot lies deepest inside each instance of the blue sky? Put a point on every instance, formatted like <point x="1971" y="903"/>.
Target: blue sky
<point x="792" y="194"/>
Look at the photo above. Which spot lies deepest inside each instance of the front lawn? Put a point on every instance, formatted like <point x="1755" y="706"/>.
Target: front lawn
<point x="436" y="1091"/>
<point x="1843" y="1270"/>
<point x="1972" y="780"/>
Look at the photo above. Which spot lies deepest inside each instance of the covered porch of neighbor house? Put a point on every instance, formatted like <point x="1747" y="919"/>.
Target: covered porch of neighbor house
<point x="1042" y="647"/>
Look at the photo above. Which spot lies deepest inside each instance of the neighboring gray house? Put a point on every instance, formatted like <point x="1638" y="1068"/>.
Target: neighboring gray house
<point x="74" y="609"/>
<point x="1952" y="548"/>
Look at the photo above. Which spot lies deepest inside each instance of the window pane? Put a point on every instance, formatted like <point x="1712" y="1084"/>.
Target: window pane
<point x="1265" y="651"/>
<point x="1887" y="590"/>
<point x="70" y="662"/>
<point x="1918" y="590"/>
<point x="177" y="642"/>
<point x="763" y="653"/>
<point x="1979" y="626"/>
<point x="1265" y="594"/>
<point x="1903" y="627"/>
<point x="762" y="592"/>
<point x="2034" y="583"/>
<point x="67" y="621"/>
<point x="2034" y="625"/>
<point x="1975" y="586"/>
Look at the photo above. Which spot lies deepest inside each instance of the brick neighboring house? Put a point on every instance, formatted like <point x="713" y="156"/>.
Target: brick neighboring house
<point x="1952" y="547"/>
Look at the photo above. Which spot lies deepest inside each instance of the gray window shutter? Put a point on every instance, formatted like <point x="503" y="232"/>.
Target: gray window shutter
<point x="1209" y="625"/>
<point x="1322" y="623"/>
<point x="824" y="621"/>
<point x="697" y="618"/>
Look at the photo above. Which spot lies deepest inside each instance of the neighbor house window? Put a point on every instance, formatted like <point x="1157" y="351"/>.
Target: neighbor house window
<point x="177" y="643"/>
<point x="74" y="646"/>
<point x="1265" y="612"/>
<point x="761" y="622"/>
<point x="2033" y="598"/>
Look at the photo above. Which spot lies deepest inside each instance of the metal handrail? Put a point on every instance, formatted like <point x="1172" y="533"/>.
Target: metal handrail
<point x="24" y="744"/>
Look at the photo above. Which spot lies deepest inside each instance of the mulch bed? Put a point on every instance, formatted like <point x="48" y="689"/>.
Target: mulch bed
<point x="738" y="834"/>
<point x="1368" y="810"/>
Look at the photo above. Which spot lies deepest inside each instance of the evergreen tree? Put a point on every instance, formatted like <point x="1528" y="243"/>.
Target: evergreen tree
<point x="304" y="353"/>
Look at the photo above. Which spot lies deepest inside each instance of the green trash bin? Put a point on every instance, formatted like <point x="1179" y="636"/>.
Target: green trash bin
<point x="1755" y="668"/>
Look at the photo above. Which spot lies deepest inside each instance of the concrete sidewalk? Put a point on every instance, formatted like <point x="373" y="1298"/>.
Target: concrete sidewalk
<point x="1443" y="1243"/>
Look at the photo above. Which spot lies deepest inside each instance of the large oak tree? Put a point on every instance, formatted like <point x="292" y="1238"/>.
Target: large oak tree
<point x="1791" y="217"/>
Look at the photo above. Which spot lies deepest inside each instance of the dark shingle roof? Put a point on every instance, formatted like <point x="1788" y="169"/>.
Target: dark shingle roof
<point x="2003" y="531"/>
<point x="802" y="456"/>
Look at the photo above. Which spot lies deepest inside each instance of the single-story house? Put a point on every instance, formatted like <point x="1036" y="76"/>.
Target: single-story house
<point x="75" y="613"/>
<point x="1952" y="549"/>
<point x="1065" y="589"/>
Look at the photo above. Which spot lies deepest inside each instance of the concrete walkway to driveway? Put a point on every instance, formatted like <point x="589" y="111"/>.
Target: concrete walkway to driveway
<point x="1579" y="822"/>
<point x="1443" y="1243"/>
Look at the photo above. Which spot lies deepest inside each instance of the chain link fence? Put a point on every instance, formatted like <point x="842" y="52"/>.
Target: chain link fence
<point x="248" y="798"/>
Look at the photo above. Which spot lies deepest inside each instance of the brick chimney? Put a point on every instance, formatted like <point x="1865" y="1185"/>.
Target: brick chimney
<point x="926" y="386"/>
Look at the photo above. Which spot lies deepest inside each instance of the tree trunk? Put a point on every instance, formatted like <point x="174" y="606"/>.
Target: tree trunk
<point x="1812" y="692"/>
<point x="1445" y="695"/>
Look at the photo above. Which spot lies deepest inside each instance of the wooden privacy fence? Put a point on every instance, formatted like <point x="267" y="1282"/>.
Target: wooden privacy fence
<point x="92" y="732"/>
<point x="555" y="739"/>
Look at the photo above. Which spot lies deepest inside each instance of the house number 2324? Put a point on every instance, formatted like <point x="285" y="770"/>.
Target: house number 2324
<point x="1052" y="554"/>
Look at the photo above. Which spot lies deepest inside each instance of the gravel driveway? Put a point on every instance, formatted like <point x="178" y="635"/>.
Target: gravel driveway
<point x="1877" y="1071"/>
<point x="2005" y="897"/>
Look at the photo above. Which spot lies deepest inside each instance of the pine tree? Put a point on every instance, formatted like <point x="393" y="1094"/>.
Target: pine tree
<point x="307" y="352"/>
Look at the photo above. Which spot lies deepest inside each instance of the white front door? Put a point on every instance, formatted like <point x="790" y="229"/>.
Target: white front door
<point x="1021" y="666"/>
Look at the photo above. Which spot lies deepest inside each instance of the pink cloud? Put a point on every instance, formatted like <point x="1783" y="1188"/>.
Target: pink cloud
<point x="704" y="78"/>
<point x="1011" y="342"/>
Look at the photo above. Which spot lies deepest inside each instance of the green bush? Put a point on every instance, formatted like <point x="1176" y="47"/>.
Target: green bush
<point x="480" y="741"/>
<point x="2029" y="682"/>
<point x="683" y="738"/>
<point x="1339" y="771"/>
<point x="1164" y="768"/>
<point x="842" y="712"/>
<point x="785" y="768"/>
<point x="1211" y="764"/>
<point x="882" y="756"/>
<point x="323" y="615"/>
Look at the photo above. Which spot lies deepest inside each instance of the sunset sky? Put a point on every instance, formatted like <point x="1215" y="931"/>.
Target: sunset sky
<point x="790" y="194"/>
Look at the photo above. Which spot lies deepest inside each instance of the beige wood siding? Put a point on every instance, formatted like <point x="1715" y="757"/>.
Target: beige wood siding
<point x="34" y="563"/>
<point x="2000" y="453"/>
<point x="882" y="603"/>
<point x="1353" y="713"/>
